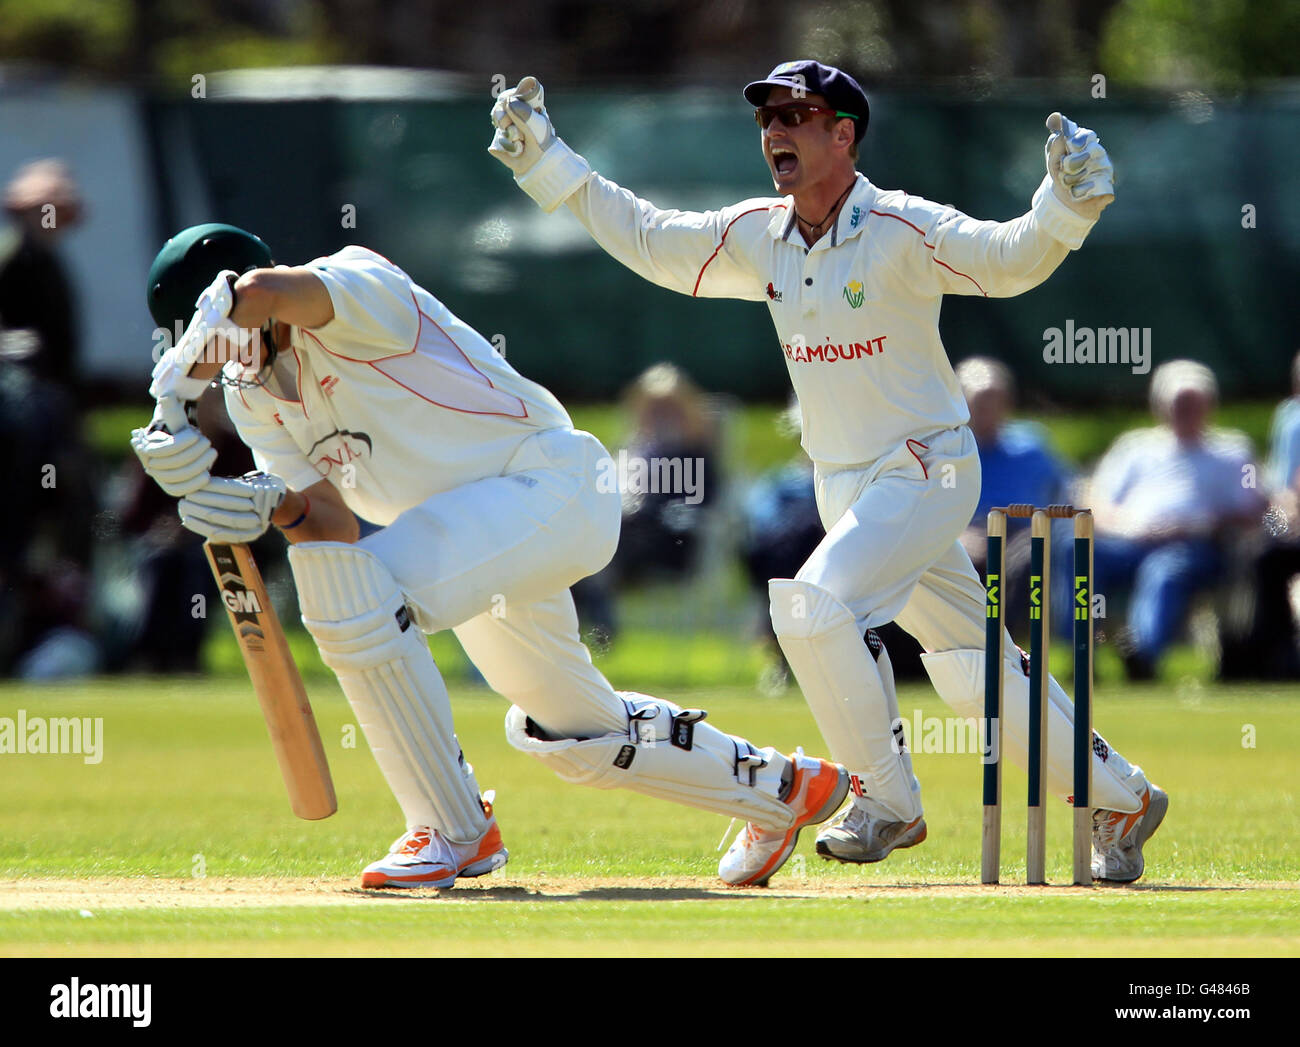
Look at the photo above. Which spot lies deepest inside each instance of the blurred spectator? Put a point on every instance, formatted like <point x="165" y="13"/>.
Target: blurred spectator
<point x="45" y="531"/>
<point x="662" y="521"/>
<point x="37" y="303"/>
<point x="782" y="528"/>
<point x="1016" y="465"/>
<point x="45" y="540"/>
<point x="1163" y="500"/>
<point x="1284" y="439"/>
<point x="1258" y="629"/>
<point x="670" y="479"/>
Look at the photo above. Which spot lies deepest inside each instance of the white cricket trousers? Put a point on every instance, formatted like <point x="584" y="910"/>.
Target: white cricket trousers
<point x="888" y="523"/>
<point x="493" y="561"/>
<point x="891" y="554"/>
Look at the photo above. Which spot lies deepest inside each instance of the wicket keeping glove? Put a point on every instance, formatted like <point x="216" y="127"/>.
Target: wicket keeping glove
<point x="544" y="166"/>
<point x="233" y="509"/>
<point x="1081" y="172"/>
<point x="507" y="143"/>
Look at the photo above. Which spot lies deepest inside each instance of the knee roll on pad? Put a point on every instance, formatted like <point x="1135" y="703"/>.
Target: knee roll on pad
<point x="358" y="617"/>
<point x="958" y="677"/>
<point x="350" y="604"/>
<point x="668" y="752"/>
<point x="802" y="611"/>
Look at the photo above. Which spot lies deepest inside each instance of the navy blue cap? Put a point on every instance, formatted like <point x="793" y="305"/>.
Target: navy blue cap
<point x="839" y="89"/>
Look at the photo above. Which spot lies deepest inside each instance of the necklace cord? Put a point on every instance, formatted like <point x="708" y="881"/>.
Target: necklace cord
<point x="839" y="200"/>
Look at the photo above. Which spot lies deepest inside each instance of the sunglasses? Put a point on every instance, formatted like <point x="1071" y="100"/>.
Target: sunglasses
<point x="794" y="113"/>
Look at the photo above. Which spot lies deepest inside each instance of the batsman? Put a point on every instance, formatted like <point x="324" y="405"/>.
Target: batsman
<point x="362" y="395"/>
<point x="853" y="276"/>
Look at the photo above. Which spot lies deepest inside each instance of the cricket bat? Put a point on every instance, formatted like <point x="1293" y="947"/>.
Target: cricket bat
<point x="276" y="681"/>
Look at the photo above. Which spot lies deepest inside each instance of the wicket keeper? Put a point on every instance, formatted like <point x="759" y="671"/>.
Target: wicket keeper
<point x="854" y="276"/>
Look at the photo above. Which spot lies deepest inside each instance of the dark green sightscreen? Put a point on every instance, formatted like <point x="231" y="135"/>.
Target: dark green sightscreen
<point x="1171" y="255"/>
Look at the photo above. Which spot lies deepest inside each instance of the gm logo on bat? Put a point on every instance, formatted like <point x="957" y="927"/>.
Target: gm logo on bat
<point x="241" y="601"/>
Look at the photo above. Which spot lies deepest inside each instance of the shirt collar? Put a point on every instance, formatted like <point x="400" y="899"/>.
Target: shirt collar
<point x="850" y="222"/>
<point x="782" y="222"/>
<point x="853" y="215"/>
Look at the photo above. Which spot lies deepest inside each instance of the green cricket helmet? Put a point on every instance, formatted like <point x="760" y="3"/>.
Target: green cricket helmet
<point x="191" y="260"/>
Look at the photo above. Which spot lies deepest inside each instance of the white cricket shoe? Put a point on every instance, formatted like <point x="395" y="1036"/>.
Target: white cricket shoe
<point x="1117" y="838"/>
<point x="423" y="858"/>
<point x="855" y="836"/>
<point x="816" y="789"/>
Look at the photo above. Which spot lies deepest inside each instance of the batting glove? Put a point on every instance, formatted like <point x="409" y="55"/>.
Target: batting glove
<point x="177" y="462"/>
<point x="211" y="317"/>
<point x="544" y="166"/>
<point x="232" y="509"/>
<point x="1080" y="169"/>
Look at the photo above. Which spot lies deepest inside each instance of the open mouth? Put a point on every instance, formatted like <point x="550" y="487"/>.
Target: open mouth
<point x="784" y="162"/>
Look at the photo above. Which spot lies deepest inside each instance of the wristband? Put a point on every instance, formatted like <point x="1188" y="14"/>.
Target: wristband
<point x="558" y="173"/>
<point x="301" y="516"/>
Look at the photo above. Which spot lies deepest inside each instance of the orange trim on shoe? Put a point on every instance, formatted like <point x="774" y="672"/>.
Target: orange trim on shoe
<point x="778" y="858"/>
<point x="488" y="846"/>
<point x="826" y="779"/>
<point x="417" y="841"/>
<point x="925" y="831"/>
<point x="1131" y="820"/>
<point x="380" y="879"/>
<point x="796" y="782"/>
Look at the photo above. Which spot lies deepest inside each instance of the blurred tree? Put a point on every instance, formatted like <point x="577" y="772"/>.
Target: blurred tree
<point x="175" y="38"/>
<point x="1214" y="43"/>
<point x="199" y="36"/>
<point x="1207" y="44"/>
<point x="73" y="33"/>
<point x="954" y="39"/>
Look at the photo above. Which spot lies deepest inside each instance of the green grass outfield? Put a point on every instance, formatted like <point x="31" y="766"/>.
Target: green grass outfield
<point x="180" y="842"/>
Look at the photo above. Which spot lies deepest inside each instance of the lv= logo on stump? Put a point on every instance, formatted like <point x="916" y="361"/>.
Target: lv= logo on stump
<point x="994" y="666"/>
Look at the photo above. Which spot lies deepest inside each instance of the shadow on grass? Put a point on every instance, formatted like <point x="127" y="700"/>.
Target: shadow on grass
<point x="963" y="889"/>
<point x="634" y="893"/>
<point x="542" y="894"/>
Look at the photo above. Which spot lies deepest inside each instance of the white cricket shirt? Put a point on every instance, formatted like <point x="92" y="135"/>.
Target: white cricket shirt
<point x="857" y="314"/>
<point x="1162" y="484"/>
<point x="392" y="401"/>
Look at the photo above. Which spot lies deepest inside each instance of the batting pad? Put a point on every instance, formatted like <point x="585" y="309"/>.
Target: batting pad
<point x="668" y="752"/>
<point x="358" y="618"/>
<point x="852" y="698"/>
<point x="958" y="676"/>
